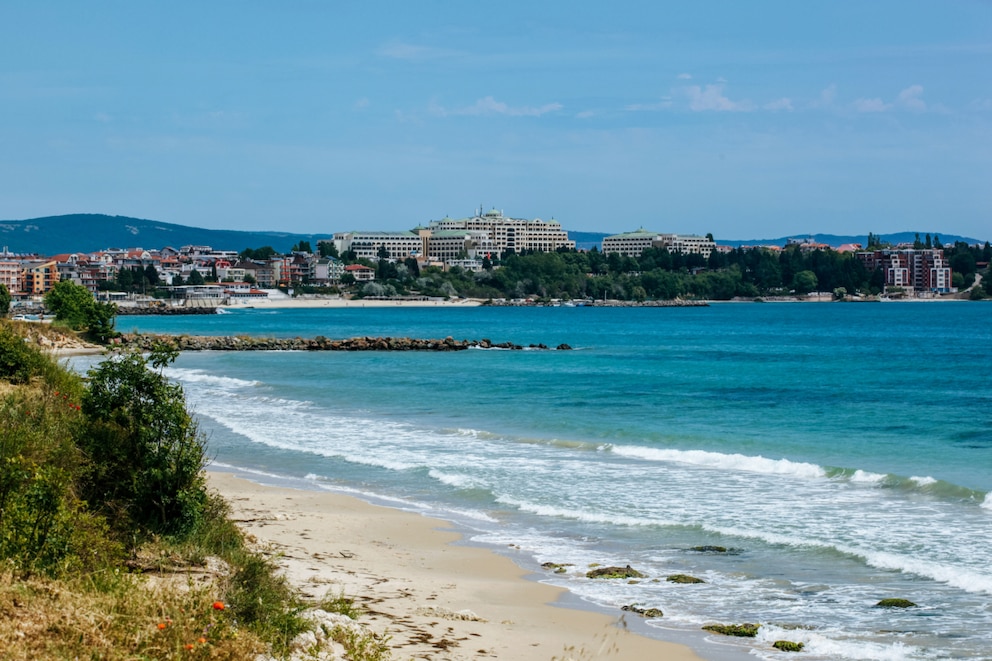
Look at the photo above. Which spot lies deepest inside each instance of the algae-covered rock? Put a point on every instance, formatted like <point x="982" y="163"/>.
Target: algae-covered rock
<point x="895" y="603"/>
<point x="614" y="572"/>
<point x="746" y="630"/>
<point x="645" y="612"/>
<point x="710" y="549"/>
<point x="684" y="578"/>
<point x="556" y="567"/>
<point x="788" y="646"/>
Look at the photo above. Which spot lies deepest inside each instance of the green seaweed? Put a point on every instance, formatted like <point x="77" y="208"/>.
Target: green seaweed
<point x="745" y="630"/>
<point x="684" y="578"/>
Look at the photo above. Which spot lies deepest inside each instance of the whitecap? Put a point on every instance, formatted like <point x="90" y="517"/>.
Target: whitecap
<point x="755" y="464"/>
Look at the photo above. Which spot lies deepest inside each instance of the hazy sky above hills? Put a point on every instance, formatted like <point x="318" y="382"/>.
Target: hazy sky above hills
<point x="744" y="119"/>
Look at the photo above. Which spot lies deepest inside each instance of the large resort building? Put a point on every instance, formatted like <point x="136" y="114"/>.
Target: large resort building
<point x="632" y="244"/>
<point x="489" y="234"/>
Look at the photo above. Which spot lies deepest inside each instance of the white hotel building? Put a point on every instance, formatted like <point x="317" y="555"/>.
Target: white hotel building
<point x="485" y="234"/>
<point x="632" y="244"/>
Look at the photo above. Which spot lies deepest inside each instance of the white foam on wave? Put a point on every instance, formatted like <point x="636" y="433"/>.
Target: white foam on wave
<point x="453" y="480"/>
<point x="577" y="515"/>
<point x="199" y="376"/>
<point x="924" y="481"/>
<point x="958" y="577"/>
<point x="987" y="503"/>
<point x="740" y="462"/>
<point x="824" y="646"/>
<point x="867" y="477"/>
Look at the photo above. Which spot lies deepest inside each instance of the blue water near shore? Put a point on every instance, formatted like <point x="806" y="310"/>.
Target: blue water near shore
<point x="843" y="453"/>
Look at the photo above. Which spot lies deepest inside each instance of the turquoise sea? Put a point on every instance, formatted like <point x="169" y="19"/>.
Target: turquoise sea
<point x="842" y="453"/>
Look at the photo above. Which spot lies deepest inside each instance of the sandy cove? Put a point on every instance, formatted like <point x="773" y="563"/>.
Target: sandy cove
<point x="435" y="599"/>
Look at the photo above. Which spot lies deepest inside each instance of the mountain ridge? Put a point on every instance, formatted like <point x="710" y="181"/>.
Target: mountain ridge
<point x="53" y="235"/>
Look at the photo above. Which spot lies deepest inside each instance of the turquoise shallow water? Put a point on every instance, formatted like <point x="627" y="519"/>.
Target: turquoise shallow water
<point x="843" y="452"/>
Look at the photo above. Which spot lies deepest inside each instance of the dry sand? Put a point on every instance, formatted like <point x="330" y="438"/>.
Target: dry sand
<point x="436" y="600"/>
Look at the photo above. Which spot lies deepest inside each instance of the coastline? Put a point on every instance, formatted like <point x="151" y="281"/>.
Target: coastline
<point x="300" y="302"/>
<point x="433" y="597"/>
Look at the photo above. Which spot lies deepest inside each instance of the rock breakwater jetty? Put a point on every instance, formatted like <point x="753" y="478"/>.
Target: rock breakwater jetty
<point x="148" y="342"/>
<point x="135" y="310"/>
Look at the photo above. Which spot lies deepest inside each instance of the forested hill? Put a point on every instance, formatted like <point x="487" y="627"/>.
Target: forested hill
<point x="91" y="232"/>
<point x="53" y="235"/>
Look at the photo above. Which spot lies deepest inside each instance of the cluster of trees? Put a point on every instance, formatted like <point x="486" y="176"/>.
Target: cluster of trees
<point x="656" y="274"/>
<point x="75" y="308"/>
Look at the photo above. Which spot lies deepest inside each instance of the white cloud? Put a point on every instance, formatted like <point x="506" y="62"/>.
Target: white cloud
<point x="685" y="76"/>
<point x="980" y="104"/>
<point x="490" y="106"/>
<point x="664" y="104"/>
<point x="910" y="98"/>
<point x="828" y="94"/>
<point x="779" y="104"/>
<point x="871" y="105"/>
<point x="585" y="114"/>
<point x="103" y="117"/>
<point x="711" y="97"/>
<point x="402" y="51"/>
<point x="362" y="103"/>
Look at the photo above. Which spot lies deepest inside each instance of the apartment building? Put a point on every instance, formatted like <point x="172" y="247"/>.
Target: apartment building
<point x="913" y="271"/>
<point x="632" y="244"/>
<point x="396" y="246"/>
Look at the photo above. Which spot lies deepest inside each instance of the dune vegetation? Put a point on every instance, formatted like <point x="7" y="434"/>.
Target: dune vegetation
<point x="111" y="546"/>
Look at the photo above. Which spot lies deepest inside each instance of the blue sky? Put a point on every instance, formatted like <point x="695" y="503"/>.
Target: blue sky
<point x="744" y="119"/>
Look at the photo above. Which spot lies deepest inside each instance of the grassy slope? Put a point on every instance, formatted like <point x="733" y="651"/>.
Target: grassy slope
<point x="74" y="586"/>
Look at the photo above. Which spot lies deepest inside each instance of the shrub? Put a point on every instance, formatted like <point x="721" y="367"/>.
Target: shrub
<point x="19" y="361"/>
<point x="145" y="450"/>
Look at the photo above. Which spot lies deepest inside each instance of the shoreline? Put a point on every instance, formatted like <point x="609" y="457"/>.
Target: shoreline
<point x="434" y="597"/>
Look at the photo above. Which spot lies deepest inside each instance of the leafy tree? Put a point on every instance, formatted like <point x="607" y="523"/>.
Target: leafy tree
<point x="804" y="282"/>
<point x="151" y="275"/>
<point x="327" y="249"/>
<point x="70" y="303"/>
<point x="262" y="254"/>
<point x="146" y="452"/>
<point x="194" y="278"/>
<point x="4" y="299"/>
<point x="125" y="279"/>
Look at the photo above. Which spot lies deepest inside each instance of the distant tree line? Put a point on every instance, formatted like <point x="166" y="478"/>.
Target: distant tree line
<point x="657" y="274"/>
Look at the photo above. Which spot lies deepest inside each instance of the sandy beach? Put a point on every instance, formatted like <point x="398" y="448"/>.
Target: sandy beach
<point x="434" y="598"/>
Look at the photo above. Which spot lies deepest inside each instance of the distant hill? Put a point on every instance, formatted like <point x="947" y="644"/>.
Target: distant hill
<point x="586" y="240"/>
<point x="841" y="239"/>
<point x="53" y="235"/>
<point x="91" y="232"/>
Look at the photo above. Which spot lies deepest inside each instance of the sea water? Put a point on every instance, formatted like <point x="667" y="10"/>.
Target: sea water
<point x="841" y="453"/>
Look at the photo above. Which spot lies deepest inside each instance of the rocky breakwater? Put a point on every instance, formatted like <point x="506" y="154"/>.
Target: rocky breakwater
<point x="148" y="342"/>
<point x="128" y="310"/>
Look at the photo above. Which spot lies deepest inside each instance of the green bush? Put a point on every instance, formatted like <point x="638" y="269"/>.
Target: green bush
<point x="19" y="360"/>
<point x="146" y="454"/>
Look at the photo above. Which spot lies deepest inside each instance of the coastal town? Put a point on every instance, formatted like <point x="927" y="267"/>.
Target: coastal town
<point x="362" y="263"/>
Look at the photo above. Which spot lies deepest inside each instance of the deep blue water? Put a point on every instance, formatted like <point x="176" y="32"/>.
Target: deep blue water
<point x="844" y="451"/>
